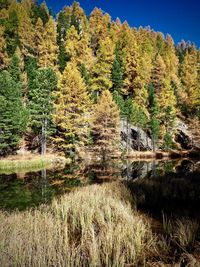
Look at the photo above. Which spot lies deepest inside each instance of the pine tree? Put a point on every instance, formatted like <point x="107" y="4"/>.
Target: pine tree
<point x="154" y="112"/>
<point x="14" y="68"/>
<point x="105" y="125"/>
<point x="72" y="108"/>
<point x="11" y="30"/>
<point x="41" y="100"/>
<point x="117" y="74"/>
<point x="118" y="98"/>
<point x="12" y="113"/>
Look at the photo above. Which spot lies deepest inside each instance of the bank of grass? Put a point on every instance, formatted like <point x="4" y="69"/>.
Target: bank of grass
<point x="92" y="226"/>
<point x="31" y="163"/>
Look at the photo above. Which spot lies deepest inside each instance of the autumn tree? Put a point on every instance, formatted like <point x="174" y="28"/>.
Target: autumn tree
<point x="3" y="54"/>
<point x="98" y="24"/>
<point x="189" y="79"/>
<point x="26" y="29"/>
<point x="72" y="109"/>
<point x="105" y="125"/>
<point x="102" y="70"/>
<point x="77" y="48"/>
<point x="46" y="44"/>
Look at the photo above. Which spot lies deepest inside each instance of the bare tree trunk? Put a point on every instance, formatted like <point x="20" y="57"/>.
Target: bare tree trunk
<point x="43" y="138"/>
<point x="127" y="136"/>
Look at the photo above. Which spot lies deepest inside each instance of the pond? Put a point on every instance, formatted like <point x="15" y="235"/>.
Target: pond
<point x="171" y="186"/>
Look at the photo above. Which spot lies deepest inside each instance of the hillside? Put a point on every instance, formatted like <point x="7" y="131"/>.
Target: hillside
<point x="67" y="81"/>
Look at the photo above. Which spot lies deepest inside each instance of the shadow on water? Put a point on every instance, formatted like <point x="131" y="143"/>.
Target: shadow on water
<point x="158" y="186"/>
<point x="171" y="187"/>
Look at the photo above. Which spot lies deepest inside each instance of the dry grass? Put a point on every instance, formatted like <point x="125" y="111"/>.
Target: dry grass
<point x="93" y="226"/>
<point x="185" y="232"/>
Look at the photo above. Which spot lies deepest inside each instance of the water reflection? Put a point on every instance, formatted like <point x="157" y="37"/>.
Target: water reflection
<point x="170" y="187"/>
<point x="155" y="184"/>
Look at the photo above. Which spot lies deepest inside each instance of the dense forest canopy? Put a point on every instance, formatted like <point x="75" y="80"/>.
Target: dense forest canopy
<point x="59" y="74"/>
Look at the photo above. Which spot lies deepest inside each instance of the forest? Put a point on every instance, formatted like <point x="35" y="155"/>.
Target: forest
<point x="99" y="140"/>
<point x="67" y="80"/>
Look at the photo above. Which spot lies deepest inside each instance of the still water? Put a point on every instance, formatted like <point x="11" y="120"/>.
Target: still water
<point x="158" y="186"/>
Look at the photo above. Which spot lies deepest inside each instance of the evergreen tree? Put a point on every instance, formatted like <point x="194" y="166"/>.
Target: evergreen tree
<point x="105" y="124"/>
<point x="62" y="57"/>
<point x="118" y="98"/>
<point x="117" y="75"/>
<point x="12" y="114"/>
<point x="41" y="100"/>
<point x="11" y="31"/>
<point x="72" y="108"/>
<point x="154" y="121"/>
<point x="14" y="68"/>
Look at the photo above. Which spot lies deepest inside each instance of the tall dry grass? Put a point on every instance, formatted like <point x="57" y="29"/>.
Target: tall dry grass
<point x="93" y="226"/>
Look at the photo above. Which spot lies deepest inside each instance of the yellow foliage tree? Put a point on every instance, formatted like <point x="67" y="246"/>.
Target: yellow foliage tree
<point x="105" y="125"/>
<point x="47" y="44"/>
<point x="25" y="29"/>
<point x="78" y="49"/>
<point x="189" y="78"/>
<point x="72" y="110"/>
<point x="3" y="54"/>
<point x="101" y="71"/>
<point x="98" y="24"/>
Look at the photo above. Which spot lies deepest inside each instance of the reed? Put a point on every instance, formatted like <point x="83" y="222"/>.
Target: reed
<point x="92" y="226"/>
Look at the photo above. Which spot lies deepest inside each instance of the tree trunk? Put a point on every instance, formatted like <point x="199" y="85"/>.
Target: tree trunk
<point x="43" y="139"/>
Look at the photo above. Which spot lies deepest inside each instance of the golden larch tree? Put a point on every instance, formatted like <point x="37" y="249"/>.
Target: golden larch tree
<point x="101" y="71"/>
<point x="72" y="110"/>
<point x="105" y="125"/>
<point x="3" y="54"/>
<point x="48" y="49"/>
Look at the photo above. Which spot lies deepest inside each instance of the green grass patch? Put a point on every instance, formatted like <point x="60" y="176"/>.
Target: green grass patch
<point x="12" y="166"/>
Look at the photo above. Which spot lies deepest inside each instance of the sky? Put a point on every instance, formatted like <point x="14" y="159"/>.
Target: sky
<point x="179" y="18"/>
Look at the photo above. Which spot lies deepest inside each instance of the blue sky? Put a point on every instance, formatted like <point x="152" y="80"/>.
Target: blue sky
<point x="180" y="18"/>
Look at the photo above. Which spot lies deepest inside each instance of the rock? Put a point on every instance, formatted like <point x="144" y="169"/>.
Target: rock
<point x="184" y="136"/>
<point x="134" y="137"/>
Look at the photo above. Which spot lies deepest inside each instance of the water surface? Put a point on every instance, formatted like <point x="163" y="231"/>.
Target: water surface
<point x="158" y="186"/>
